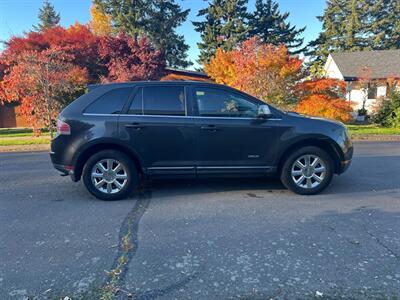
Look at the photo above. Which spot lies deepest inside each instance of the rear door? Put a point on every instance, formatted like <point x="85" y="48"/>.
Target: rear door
<point x="231" y="137"/>
<point x="158" y="126"/>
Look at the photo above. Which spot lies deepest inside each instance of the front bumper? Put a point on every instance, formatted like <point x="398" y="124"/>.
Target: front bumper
<point x="344" y="165"/>
<point x="346" y="160"/>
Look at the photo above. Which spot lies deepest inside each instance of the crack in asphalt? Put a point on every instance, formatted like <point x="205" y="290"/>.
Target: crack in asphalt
<point x="127" y="246"/>
<point x="149" y="295"/>
<point x="376" y="238"/>
<point x="379" y="242"/>
<point x="345" y="238"/>
<point x="373" y="236"/>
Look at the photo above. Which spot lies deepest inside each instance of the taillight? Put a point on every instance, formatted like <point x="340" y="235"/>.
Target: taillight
<point x="63" y="128"/>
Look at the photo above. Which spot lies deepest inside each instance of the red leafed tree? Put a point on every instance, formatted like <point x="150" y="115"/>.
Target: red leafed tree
<point x="265" y="71"/>
<point x="39" y="81"/>
<point x="128" y="59"/>
<point x="46" y="70"/>
<point x="76" y="40"/>
<point x="323" y="97"/>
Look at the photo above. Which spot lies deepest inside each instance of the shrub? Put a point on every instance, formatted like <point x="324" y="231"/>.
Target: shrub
<point x="388" y="111"/>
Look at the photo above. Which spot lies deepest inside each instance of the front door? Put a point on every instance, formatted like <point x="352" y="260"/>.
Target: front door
<point x="231" y="139"/>
<point x="158" y="127"/>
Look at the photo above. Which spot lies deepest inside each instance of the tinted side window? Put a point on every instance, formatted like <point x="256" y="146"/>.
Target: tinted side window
<point x="164" y="100"/>
<point x="111" y="102"/>
<point x="218" y="103"/>
<point x="136" y="107"/>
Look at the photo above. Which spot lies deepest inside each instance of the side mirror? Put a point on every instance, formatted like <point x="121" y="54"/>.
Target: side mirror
<point x="264" y="112"/>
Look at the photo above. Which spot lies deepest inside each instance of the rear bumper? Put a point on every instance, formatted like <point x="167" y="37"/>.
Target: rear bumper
<point x="63" y="169"/>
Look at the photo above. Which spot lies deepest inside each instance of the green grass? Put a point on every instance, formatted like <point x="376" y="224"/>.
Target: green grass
<point x="372" y="130"/>
<point x="14" y="130"/>
<point x="17" y="132"/>
<point x="22" y="136"/>
<point x="24" y="141"/>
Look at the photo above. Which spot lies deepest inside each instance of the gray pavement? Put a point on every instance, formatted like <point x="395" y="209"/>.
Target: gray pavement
<point x="210" y="239"/>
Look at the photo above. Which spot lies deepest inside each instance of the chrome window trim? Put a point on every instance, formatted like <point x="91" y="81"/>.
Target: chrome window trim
<point x="187" y="116"/>
<point x="234" y="167"/>
<point x="170" y="168"/>
<point x="101" y="115"/>
<point x="200" y="168"/>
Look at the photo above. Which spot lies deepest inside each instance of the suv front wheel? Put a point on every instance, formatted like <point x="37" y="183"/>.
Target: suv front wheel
<point x="307" y="171"/>
<point x="110" y="175"/>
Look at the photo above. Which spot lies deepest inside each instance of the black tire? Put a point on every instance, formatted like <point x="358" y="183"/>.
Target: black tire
<point x="288" y="180"/>
<point x="129" y="171"/>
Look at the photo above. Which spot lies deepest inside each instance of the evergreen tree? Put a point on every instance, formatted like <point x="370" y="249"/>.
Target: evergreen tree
<point x="164" y="17"/>
<point x="48" y="17"/>
<point x="354" y="25"/>
<point x="225" y="25"/>
<point x="128" y="16"/>
<point x="385" y="23"/>
<point x="156" y="19"/>
<point x="342" y="30"/>
<point x="272" y="27"/>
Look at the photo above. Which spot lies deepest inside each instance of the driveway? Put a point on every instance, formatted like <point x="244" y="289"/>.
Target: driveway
<point x="213" y="239"/>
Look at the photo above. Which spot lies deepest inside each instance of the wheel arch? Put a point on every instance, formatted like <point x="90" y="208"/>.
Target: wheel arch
<point x="325" y="144"/>
<point x="83" y="155"/>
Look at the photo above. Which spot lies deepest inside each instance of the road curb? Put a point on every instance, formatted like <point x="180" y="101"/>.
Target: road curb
<point x="375" y="137"/>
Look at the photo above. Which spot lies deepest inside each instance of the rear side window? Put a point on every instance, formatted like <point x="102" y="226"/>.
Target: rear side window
<point x="111" y="102"/>
<point x="164" y="100"/>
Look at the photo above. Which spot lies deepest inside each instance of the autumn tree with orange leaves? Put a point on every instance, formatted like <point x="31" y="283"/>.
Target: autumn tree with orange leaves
<point x="39" y="81"/>
<point x="323" y="97"/>
<point x="265" y="71"/>
<point x="100" y="23"/>
<point x="271" y="74"/>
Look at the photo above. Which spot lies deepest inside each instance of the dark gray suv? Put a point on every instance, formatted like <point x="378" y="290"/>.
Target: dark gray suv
<point x="118" y="134"/>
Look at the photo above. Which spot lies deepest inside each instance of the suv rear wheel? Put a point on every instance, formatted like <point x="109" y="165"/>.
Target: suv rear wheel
<point x="307" y="171"/>
<point x="110" y="175"/>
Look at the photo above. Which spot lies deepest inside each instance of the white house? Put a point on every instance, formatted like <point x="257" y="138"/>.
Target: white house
<point x="357" y="68"/>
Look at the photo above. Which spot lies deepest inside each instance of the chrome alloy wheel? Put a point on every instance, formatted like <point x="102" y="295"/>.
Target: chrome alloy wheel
<point x="109" y="176"/>
<point x="308" y="171"/>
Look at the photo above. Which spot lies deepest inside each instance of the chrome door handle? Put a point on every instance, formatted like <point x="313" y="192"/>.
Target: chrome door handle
<point x="211" y="128"/>
<point x="135" y="126"/>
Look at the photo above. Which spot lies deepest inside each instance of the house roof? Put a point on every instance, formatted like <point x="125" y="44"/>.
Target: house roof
<point x="382" y="63"/>
<point x="186" y="72"/>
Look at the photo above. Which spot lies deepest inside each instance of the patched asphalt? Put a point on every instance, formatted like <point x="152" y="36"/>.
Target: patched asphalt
<point x="209" y="239"/>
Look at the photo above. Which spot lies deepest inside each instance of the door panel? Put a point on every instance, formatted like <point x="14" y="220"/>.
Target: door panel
<point x="235" y="142"/>
<point x="165" y="142"/>
<point x="230" y="137"/>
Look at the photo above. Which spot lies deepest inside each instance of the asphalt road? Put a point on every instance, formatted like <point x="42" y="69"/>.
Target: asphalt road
<point x="214" y="239"/>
